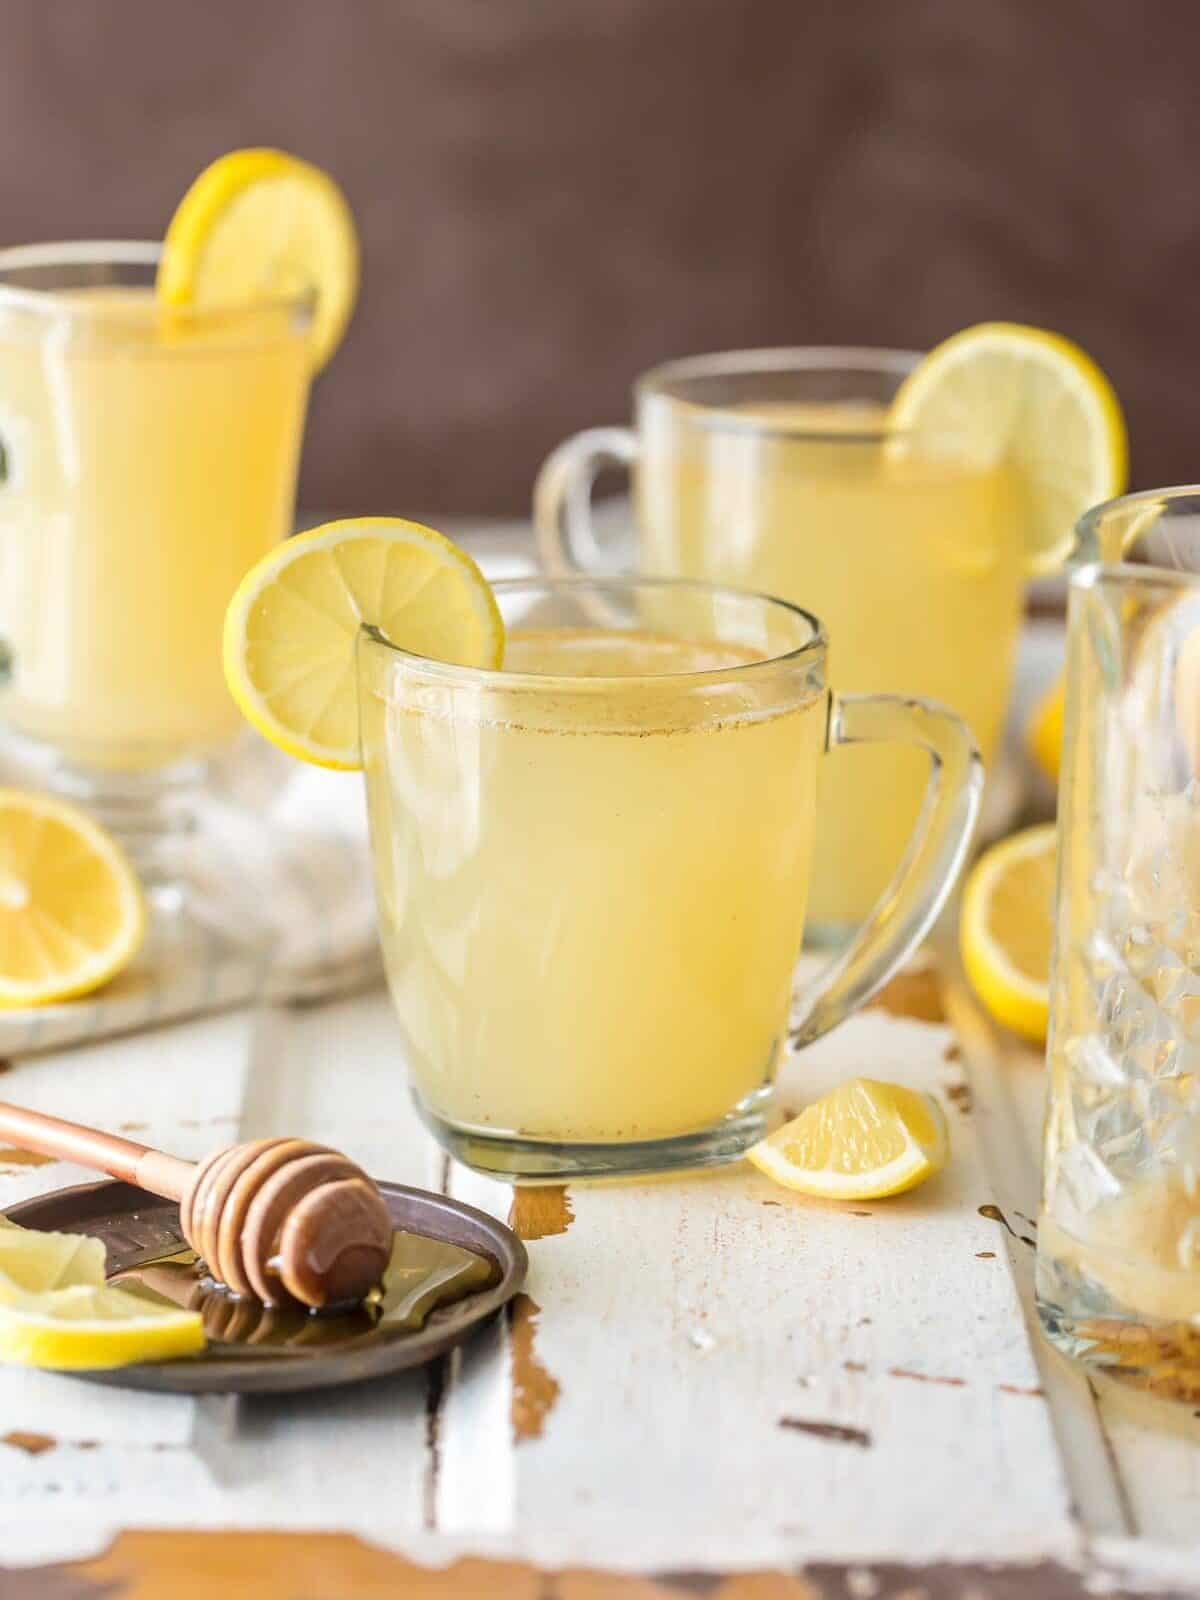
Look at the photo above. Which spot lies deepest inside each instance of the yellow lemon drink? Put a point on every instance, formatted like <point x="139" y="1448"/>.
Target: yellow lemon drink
<point x="148" y="457"/>
<point x="913" y="562"/>
<point x="903" y="499"/>
<point x="591" y="883"/>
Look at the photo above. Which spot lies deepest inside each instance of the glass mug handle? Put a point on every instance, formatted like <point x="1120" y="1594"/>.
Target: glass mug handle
<point x="562" y="500"/>
<point x="906" y="910"/>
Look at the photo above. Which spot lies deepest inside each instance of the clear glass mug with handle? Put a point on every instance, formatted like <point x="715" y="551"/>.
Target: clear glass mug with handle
<point x="592" y="867"/>
<point x="782" y="471"/>
<point x="1118" y="1268"/>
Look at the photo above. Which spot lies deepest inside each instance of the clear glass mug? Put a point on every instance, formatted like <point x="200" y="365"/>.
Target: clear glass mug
<point x="1118" y="1268"/>
<point x="147" y="459"/>
<point x="591" y="868"/>
<point x="779" y="471"/>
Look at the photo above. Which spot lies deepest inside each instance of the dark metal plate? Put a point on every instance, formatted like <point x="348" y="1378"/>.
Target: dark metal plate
<point x="137" y="1227"/>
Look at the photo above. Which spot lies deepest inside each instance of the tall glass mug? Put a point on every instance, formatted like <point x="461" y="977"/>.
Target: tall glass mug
<point x="1118" y="1271"/>
<point x="778" y="471"/>
<point x="592" y="868"/>
<point x="147" y="458"/>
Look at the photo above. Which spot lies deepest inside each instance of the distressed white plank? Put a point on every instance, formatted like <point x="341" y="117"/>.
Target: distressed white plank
<point x="1008" y="1085"/>
<point x="475" y="1482"/>
<point x="684" y="1322"/>
<point x="1157" y="1445"/>
<point x="110" y="1451"/>
<point x="1133" y="1460"/>
<point x="356" y="1457"/>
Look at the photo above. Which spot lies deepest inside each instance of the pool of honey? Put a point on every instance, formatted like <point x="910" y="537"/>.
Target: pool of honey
<point x="422" y="1274"/>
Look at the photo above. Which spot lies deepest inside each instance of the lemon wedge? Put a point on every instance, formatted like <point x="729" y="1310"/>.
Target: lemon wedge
<point x="55" y="1310"/>
<point x="85" y="1328"/>
<point x="1006" y="932"/>
<point x="71" y="911"/>
<point x="1002" y="394"/>
<point x="862" y="1141"/>
<point x="293" y="623"/>
<point x="261" y="225"/>
<point x="32" y="1262"/>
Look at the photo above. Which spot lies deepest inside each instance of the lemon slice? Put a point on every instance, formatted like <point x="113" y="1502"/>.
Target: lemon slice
<point x="85" y="1327"/>
<point x="71" y="912"/>
<point x="292" y="626"/>
<point x="55" y="1310"/>
<point x="1003" y="394"/>
<point x="1006" y="933"/>
<point x="32" y="1262"/>
<point x="257" y="226"/>
<point x="862" y="1141"/>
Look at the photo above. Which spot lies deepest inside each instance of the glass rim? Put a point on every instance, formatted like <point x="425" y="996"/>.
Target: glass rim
<point x="1092" y="570"/>
<point x="120" y="253"/>
<point x="1103" y="509"/>
<point x="769" y="359"/>
<point x="1093" y="575"/>
<point x="813" y="648"/>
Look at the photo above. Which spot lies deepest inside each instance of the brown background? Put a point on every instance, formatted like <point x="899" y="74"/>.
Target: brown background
<point x="554" y="194"/>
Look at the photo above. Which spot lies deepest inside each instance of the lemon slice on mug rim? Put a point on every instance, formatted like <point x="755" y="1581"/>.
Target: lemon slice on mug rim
<point x="1001" y="394"/>
<point x="292" y="626"/>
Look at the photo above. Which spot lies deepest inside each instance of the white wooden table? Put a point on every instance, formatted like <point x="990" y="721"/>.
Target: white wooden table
<point x="711" y="1386"/>
<point x="705" y="1376"/>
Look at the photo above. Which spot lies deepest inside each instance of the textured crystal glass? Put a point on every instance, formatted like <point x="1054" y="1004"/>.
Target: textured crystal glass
<point x="1118" y="1275"/>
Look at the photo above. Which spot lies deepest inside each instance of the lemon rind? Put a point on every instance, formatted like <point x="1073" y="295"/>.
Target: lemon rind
<point x="330" y="535"/>
<point x="214" y="191"/>
<point x="1088" y="379"/>
<point x="1010" y="997"/>
<point x="916" y="1162"/>
<point x="105" y="965"/>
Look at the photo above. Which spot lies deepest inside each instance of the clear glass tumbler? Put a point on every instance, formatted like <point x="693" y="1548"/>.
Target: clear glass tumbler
<point x="1118" y="1271"/>
<point x="592" y="868"/>
<point x="148" y="457"/>
<point x="781" y="471"/>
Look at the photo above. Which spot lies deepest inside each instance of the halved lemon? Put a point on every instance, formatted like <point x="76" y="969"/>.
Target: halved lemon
<point x="1006" y="932"/>
<point x="292" y="626"/>
<point x="862" y="1141"/>
<point x="261" y="225"/>
<point x="84" y="1328"/>
<point x="1000" y="393"/>
<point x="71" y="911"/>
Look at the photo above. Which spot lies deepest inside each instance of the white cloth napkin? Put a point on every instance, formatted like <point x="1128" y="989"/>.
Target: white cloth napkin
<point x="296" y="912"/>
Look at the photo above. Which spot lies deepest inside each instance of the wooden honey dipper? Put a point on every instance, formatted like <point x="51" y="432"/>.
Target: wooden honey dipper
<point x="273" y="1219"/>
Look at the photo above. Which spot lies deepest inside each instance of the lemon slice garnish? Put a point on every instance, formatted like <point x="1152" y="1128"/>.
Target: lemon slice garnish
<point x="862" y="1141"/>
<point x="292" y="626"/>
<point x="71" y="911"/>
<point x="258" y="226"/>
<point x="1007" y="929"/>
<point x="1000" y="394"/>
<point x="55" y="1310"/>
